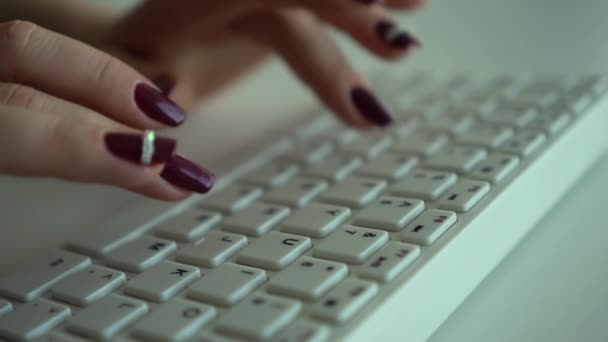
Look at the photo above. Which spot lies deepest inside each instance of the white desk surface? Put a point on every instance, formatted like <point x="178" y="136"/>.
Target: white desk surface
<point x="551" y="288"/>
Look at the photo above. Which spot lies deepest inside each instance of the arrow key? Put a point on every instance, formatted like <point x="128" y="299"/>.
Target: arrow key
<point x="162" y="282"/>
<point x="89" y="285"/>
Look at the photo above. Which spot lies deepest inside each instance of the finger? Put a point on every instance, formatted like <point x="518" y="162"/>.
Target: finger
<point x="69" y="69"/>
<point x="87" y="148"/>
<point x="316" y="59"/>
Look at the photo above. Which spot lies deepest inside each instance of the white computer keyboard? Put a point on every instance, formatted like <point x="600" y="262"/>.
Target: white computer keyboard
<point x="329" y="234"/>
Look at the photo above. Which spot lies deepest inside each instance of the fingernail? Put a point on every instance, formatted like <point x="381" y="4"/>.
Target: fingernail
<point x="370" y="107"/>
<point x="369" y="2"/>
<point x="394" y="37"/>
<point x="158" y="106"/>
<point x="165" y="83"/>
<point x="142" y="149"/>
<point x="184" y="174"/>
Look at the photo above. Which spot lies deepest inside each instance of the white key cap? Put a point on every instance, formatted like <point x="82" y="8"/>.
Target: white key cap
<point x="141" y="254"/>
<point x="62" y="336"/>
<point x="355" y="191"/>
<point x="259" y="317"/>
<point x="405" y="127"/>
<point x="162" y="282"/>
<point x="486" y="136"/>
<point x="208" y="336"/>
<point x="552" y="121"/>
<point x="334" y="168"/>
<point x="351" y="244"/>
<point x="422" y="143"/>
<point x="389" y="166"/>
<point x="390" y="213"/>
<point x="465" y="195"/>
<point x="256" y="220"/>
<point x="215" y="248"/>
<point x="424" y="184"/>
<point x="343" y="302"/>
<point x="297" y="193"/>
<point x="227" y="285"/>
<point x="451" y="123"/>
<point x="514" y="118"/>
<point x="33" y="280"/>
<point x="524" y="143"/>
<point x="177" y="320"/>
<point x="496" y="167"/>
<point x="189" y="225"/>
<point x="368" y="145"/>
<point x="457" y="158"/>
<point x="108" y="317"/>
<point x="304" y="331"/>
<point x="389" y="262"/>
<point x="274" y="251"/>
<point x="88" y="286"/>
<point x="429" y="227"/>
<point x="272" y="175"/>
<point x="5" y="307"/>
<point x="310" y="152"/>
<point x="33" y="320"/>
<point x="316" y="220"/>
<point x="308" y="278"/>
<point x="231" y="199"/>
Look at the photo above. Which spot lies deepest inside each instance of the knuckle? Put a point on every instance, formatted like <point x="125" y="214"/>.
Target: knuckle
<point x="17" y="95"/>
<point x="14" y="39"/>
<point x="105" y="68"/>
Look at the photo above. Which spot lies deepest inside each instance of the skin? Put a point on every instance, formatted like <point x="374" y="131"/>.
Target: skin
<point x="56" y="128"/>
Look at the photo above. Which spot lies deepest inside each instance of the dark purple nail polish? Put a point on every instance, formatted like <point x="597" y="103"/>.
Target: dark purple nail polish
<point x="369" y="2"/>
<point x="165" y="83"/>
<point x="368" y="105"/>
<point x="391" y="35"/>
<point x="132" y="147"/>
<point x="184" y="174"/>
<point x="158" y="106"/>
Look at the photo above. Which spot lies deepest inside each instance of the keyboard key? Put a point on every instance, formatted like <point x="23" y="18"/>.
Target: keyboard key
<point x="457" y="158"/>
<point x="188" y="226"/>
<point x="334" y="168"/>
<point x="177" y="320"/>
<point x="452" y="123"/>
<point x="552" y="121"/>
<point x="389" y="166"/>
<point x="486" y="136"/>
<point x="429" y="227"/>
<point x="232" y="198"/>
<point x="32" y="320"/>
<point x="308" y="278"/>
<point x="62" y="336"/>
<point x="389" y="262"/>
<point x="355" y="191"/>
<point x="513" y="117"/>
<point x="297" y="193"/>
<point x="259" y="317"/>
<point x="524" y="143"/>
<point x="227" y="285"/>
<point x="316" y="220"/>
<point x="274" y="251"/>
<point x="256" y="220"/>
<point x="310" y="152"/>
<point x="390" y="213"/>
<point x="404" y="127"/>
<point x="344" y="301"/>
<point x="162" y="282"/>
<point x="141" y="254"/>
<point x="208" y="336"/>
<point x="496" y="167"/>
<point x="34" y="279"/>
<point x="464" y="196"/>
<point x="303" y="331"/>
<point x="351" y="244"/>
<point x="273" y="174"/>
<point x="88" y="286"/>
<point x="422" y="143"/>
<point x="5" y="307"/>
<point x="368" y="145"/>
<point x="108" y="317"/>
<point x="215" y="248"/>
<point x="424" y="184"/>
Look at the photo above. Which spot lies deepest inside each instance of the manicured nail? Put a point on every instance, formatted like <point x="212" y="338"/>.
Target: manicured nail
<point x="158" y="106"/>
<point x="369" y="2"/>
<point x="394" y="37"/>
<point x="184" y="174"/>
<point x="144" y="149"/>
<point x="165" y="83"/>
<point x="370" y="107"/>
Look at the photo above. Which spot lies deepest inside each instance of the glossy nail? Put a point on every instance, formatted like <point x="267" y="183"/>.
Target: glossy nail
<point x="184" y="174"/>
<point x="165" y="83"/>
<point x="158" y="106"/>
<point x="370" y="107"/>
<point x="141" y="148"/>
<point x="391" y="35"/>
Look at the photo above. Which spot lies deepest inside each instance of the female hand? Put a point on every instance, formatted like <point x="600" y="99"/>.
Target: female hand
<point x="53" y="90"/>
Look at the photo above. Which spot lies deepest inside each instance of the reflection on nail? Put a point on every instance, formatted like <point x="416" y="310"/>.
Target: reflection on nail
<point x="141" y="149"/>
